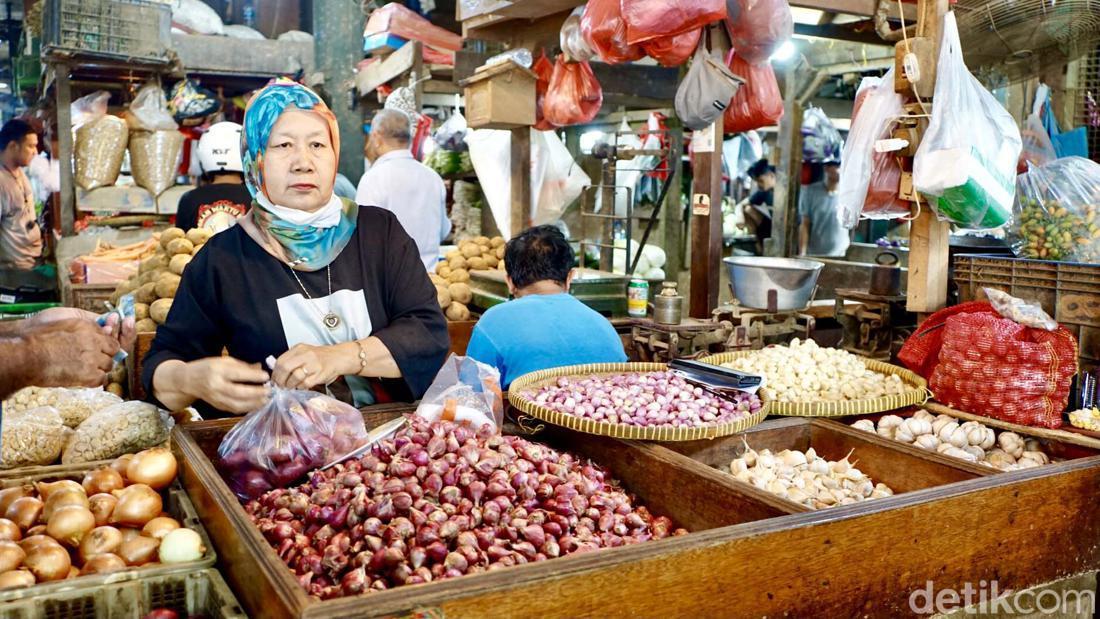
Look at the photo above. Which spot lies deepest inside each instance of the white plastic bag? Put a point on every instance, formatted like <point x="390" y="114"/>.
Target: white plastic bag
<point x="197" y="17"/>
<point x="874" y="121"/>
<point x="562" y="179"/>
<point x="88" y="108"/>
<point x="149" y="110"/>
<point x="629" y="171"/>
<point x="967" y="158"/>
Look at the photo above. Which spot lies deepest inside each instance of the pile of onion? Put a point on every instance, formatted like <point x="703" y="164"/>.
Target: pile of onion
<point x="111" y="520"/>
<point x="441" y="500"/>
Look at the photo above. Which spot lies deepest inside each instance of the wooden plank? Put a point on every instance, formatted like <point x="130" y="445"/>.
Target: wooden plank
<point x="928" y="263"/>
<point x="465" y="11"/>
<point x="1063" y="436"/>
<point x="521" y="180"/>
<point x="651" y="82"/>
<point x="706" y="224"/>
<point x="530" y="33"/>
<point x="534" y="9"/>
<point x="863" y="8"/>
<point x="389" y="68"/>
<point x="65" y="144"/>
<point x="859" y="32"/>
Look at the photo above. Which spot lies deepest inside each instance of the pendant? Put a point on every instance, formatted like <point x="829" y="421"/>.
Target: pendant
<point x="331" y="320"/>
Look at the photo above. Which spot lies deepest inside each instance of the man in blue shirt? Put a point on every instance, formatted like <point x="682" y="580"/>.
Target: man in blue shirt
<point x="544" y="326"/>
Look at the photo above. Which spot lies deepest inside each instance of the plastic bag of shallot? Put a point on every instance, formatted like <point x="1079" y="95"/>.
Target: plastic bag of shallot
<point x="465" y="390"/>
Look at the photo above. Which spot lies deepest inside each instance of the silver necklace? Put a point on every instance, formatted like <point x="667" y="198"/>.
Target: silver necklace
<point x="331" y="319"/>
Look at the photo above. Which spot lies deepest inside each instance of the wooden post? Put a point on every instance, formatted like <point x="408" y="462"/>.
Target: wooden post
<point x="788" y="163"/>
<point x="706" y="219"/>
<point x="672" y="211"/>
<point x="65" y="146"/>
<point x="521" y="180"/>
<point x="418" y="73"/>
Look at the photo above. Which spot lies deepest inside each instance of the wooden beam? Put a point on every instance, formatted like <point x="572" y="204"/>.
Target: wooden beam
<point x="528" y="9"/>
<point x="787" y="159"/>
<point x="862" y="8"/>
<point x="672" y="214"/>
<point x="521" y="180"/>
<point x="530" y="33"/>
<point x="390" y="67"/>
<point x="65" y="145"/>
<point x="859" y="32"/>
<point x="706" y="220"/>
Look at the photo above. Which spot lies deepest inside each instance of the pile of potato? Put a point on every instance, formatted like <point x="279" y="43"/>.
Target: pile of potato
<point x="453" y="272"/>
<point x="158" y="277"/>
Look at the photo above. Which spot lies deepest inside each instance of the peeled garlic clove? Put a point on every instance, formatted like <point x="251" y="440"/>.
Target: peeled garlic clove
<point x="796" y="495"/>
<point x="777" y="487"/>
<point x="829" y="483"/>
<point x="765" y="460"/>
<point x="811" y="454"/>
<point x="793" y="458"/>
<point x="848" y="500"/>
<point x="820" y="467"/>
<point x="744" y="476"/>
<point x="738" y="465"/>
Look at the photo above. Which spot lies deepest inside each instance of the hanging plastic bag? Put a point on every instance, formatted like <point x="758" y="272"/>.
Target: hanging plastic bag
<point x="451" y="135"/>
<point x="544" y="71"/>
<point x="869" y="179"/>
<point x="604" y="31"/>
<point x="654" y="19"/>
<point x="89" y="108"/>
<point x="190" y="104"/>
<point x="465" y="390"/>
<point x="154" y="156"/>
<point x="99" y="150"/>
<point x="706" y="90"/>
<point x="1072" y="143"/>
<point x="1057" y="212"/>
<point x="572" y="40"/>
<point x="760" y="28"/>
<point x="758" y="102"/>
<point x="149" y="110"/>
<point x="294" y="433"/>
<point x="1037" y="147"/>
<point x="967" y="158"/>
<point x="673" y="51"/>
<point x="573" y="96"/>
<point x="563" y="179"/>
<point x="820" y="139"/>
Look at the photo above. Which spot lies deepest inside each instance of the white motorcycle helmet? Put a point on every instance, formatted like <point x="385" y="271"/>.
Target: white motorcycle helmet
<point x="220" y="149"/>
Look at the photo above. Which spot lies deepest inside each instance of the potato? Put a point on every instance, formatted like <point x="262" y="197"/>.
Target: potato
<point x="153" y="263"/>
<point x="457" y="311"/>
<point x="159" y="310"/>
<point x="145" y="325"/>
<point x="198" y="248"/>
<point x="454" y="253"/>
<point x="437" y="279"/>
<point x="499" y="252"/>
<point x="481" y="240"/>
<point x="460" y="292"/>
<point x="141" y="311"/>
<point x="146" y="294"/>
<point x="458" y="262"/>
<point x="127" y="286"/>
<point x="170" y="235"/>
<point x="178" y="263"/>
<point x="443" y="296"/>
<point x="476" y="264"/>
<point x="496" y="241"/>
<point x="167" y="284"/>
<point x="443" y="270"/>
<point x="180" y="246"/>
<point x="198" y="236"/>
<point x="458" y="276"/>
<point x="491" y="261"/>
<point x="469" y="250"/>
<point x="500" y="266"/>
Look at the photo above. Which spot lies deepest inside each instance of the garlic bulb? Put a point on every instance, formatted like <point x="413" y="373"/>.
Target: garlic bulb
<point x="903" y="434"/>
<point x="1011" y="443"/>
<point x="941" y="421"/>
<point x="1038" y="456"/>
<point x="989" y="439"/>
<point x="924" y="415"/>
<point x="961" y="454"/>
<point x="889" y="421"/>
<point x="1032" y="444"/>
<point x="864" y="424"/>
<point x="927" y="441"/>
<point x="974" y="450"/>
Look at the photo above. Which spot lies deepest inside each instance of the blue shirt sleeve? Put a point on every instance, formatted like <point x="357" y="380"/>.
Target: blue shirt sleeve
<point x="482" y="349"/>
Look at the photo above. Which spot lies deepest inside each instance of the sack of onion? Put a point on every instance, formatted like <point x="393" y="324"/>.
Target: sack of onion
<point x="440" y="500"/>
<point x="110" y="520"/>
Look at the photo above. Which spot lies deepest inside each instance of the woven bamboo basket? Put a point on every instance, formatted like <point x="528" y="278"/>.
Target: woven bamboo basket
<point x="535" y="380"/>
<point x="918" y="393"/>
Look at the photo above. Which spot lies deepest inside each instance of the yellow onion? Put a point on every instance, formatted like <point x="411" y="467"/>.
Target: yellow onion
<point x="45" y="489"/>
<point x="8" y="495"/>
<point x="70" y="524"/>
<point x="62" y="498"/>
<point x="11" y="556"/>
<point x="102" y="505"/>
<point x="154" y="467"/>
<point x="30" y="543"/>
<point x="160" y="526"/>
<point x="139" y="550"/>
<point x="137" y="505"/>
<point x="103" y="479"/>
<point x="24" y="511"/>
<point x="101" y="540"/>
<point x="120" y="463"/>
<point x="48" y="562"/>
<point x="9" y="531"/>
<point x="15" y="579"/>
<point x="101" y="564"/>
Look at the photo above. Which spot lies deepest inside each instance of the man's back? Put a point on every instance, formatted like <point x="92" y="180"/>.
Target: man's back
<point x="541" y="331"/>
<point x="827" y="236"/>
<point x="415" y="193"/>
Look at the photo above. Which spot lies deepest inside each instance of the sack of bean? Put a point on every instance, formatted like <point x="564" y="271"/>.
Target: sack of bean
<point x="1057" y="211"/>
<point x="127" y="427"/>
<point x="31" y="437"/>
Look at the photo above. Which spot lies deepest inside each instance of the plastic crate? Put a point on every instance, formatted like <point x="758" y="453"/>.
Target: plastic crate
<point x="202" y="593"/>
<point x="19" y="311"/>
<point x="124" y="29"/>
<point x="1068" y="291"/>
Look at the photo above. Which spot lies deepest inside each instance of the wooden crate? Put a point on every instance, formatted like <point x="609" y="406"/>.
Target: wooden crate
<point x="91" y="297"/>
<point x="459" y="333"/>
<point x="134" y="365"/>
<point x="501" y="96"/>
<point x="857" y="560"/>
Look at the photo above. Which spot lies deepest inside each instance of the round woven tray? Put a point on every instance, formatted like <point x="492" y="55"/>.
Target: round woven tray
<point x="917" y="393"/>
<point x="535" y="380"/>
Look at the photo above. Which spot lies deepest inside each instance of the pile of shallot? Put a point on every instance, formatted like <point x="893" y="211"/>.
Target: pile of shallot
<point x="440" y="500"/>
<point x="645" y="399"/>
<point x="113" y="520"/>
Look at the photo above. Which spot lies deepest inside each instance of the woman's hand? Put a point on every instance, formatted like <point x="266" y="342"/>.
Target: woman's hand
<point x="305" y="366"/>
<point x="225" y="383"/>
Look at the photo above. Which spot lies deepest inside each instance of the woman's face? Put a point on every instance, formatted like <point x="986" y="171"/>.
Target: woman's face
<point x="299" y="163"/>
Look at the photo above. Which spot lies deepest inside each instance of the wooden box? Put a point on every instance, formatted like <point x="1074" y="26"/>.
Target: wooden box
<point x="91" y="297"/>
<point x="501" y="96"/>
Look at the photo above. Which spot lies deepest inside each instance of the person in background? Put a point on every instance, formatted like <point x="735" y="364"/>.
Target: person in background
<point x="758" y="214"/>
<point x="20" y="235"/>
<point x="222" y="197"/>
<point x="544" y="326"/>
<point x="399" y="183"/>
<point x="343" y="188"/>
<point x="820" y="232"/>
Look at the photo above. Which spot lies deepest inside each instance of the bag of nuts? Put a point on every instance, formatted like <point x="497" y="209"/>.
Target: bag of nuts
<point x="74" y="405"/>
<point x="127" y="427"/>
<point x="31" y="437"/>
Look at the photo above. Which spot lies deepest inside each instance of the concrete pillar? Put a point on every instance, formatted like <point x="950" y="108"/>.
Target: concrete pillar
<point x="338" y="47"/>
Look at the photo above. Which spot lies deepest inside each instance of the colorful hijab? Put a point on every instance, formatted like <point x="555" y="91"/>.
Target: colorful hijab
<point x="309" y="241"/>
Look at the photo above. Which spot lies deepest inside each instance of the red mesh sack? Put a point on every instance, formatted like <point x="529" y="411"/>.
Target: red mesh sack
<point x="673" y="51"/>
<point x="921" y="352"/>
<point x="573" y="96"/>
<point x="758" y="102"/>
<point x="993" y="366"/>
<point x="543" y="69"/>
<point x="761" y="27"/>
<point x="653" y="19"/>
<point x="604" y="30"/>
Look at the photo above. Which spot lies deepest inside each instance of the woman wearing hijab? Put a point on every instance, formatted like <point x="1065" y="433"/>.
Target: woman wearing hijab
<point x="334" y="291"/>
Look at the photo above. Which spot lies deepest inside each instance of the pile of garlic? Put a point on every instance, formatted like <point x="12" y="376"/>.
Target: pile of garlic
<point x="805" y="372"/>
<point x="970" y="441"/>
<point x="806" y="478"/>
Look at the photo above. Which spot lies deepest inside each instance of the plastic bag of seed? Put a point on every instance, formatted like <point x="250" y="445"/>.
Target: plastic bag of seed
<point x="74" y="405"/>
<point x="31" y="437"/>
<point x="127" y="427"/>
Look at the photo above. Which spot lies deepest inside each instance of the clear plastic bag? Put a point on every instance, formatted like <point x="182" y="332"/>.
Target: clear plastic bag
<point x="154" y="156"/>
<point x="99" y="151"/>
<point x="1037" y="147"/>
<point x="127" y="427"/>
<point x="451" y="135"/>
<point x="571" y="39"/>
<point x="759" y="28"/>
<point x="563" y="179"/>
<point x="31" y="437"/>
<point x="465" y="390"/>
<point x="89" y="108"/>
<point x="74" y="405"/>
<point x="1019" y="311"/>
<point x="573" y="96"/>
<point x="820" y="139"/>
<point x="967" y="158"/>
<point x="1057" y="211"/>
<point x="149" y="110"/>
<point x="758" y="102"/>
<point x="604" y="30"/>
<point x="293" y="434"/>
<point x="653" y="19"/>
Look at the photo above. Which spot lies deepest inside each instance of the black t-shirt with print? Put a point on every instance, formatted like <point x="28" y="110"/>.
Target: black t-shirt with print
<point x="214" y="206"/>
<point x="235" y="295"/>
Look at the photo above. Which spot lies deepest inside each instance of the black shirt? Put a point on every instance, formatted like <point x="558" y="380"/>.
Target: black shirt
<point x="216" y="206"/>
<point x="763" y="199"/>
<point x="237" y="296"/>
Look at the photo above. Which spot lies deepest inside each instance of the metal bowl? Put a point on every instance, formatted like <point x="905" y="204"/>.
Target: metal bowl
<point x="773" y="284"/>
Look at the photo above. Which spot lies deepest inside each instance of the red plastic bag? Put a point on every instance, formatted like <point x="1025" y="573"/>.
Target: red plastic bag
<point x="543" y="69"/>
<point x="604" y="30"/>
<point x="675" y="50"/>
<point x="395" y="18"/>
<point x="758" y="102"/>
<point x="993" y="366"/>
<point x="574" y="96"/>
<point x="760" y="29"/>
<point x="654" y="19"/>
<point x="293" y="434"/>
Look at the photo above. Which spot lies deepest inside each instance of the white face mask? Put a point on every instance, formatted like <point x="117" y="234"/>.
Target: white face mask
<point x="327" y="216"/>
